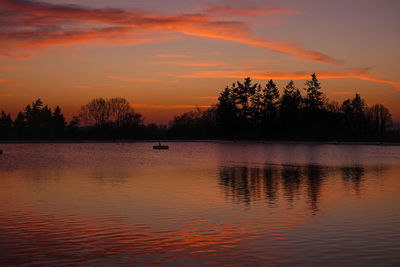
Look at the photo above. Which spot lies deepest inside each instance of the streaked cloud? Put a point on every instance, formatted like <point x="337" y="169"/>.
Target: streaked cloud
<point x="190" y="63"/>
<point x="7" y="68"/>
<point x="336" y="93"/>
<point x="134" y="79"/>
<point x="39" y="24"/>
<point x="83" y="86"/>
<point x="14" y="95"/>
<point x="214" y="97"/>
<point x="171" y="56"/>
<point x="248" y="11"/>
<point x="362" y="74"/>
<point x="153" y="106"/>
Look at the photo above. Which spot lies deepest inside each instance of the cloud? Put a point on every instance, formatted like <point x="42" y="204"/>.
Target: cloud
<point x="171" y="56"/>
<point x="203" y="97"/>
<point x="190" y="63"/>
<point x="83" y="86"/>
<point x="125" y="79"/>
<point x="3" y="80"/>
<point x="7" y="68"/>
<point x="27" y="24"/>
<point x="14" y="95"/>
<point x="362" y="74"/>
<point x="152" y="106"/>
<point x="336" y="93"/>
<point x="251" y="11"/>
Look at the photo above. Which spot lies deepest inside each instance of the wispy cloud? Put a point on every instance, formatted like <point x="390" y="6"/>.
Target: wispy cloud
<point x="190" y="63"/>
<point x="14" y="95"/>
<point x="362" y="74"/>
<point x="340" y="93"/>
<point x="38" y="24"/>
<point x="134" y="79"/>
<point x="248" y="11"/>
<point x="3" y="80"/>
<point x="7" y="68"/>
<point x="83" y="86"/>
<point x="171" y="56"/>
<point x="152" y="106"/>
<point x="214" y="97"/>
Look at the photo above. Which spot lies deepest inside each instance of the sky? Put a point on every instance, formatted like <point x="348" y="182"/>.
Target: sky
<point x="168" y="56"/>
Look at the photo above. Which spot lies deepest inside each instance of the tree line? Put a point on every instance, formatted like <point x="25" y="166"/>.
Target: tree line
<point x="245" y="110"/>
<point x="248" y="110"/>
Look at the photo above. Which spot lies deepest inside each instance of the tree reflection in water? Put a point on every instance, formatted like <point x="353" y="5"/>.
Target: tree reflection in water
<point x="245" y="185"/>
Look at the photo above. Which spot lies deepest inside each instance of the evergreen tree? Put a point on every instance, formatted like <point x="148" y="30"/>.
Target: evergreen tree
<point x="5" y="125"/>
<point x="227" y="112"/>
<point x="290" y="110"/>
<point x="270" y="101"/>
<point x="314" y="98"/>
<point x="291" y="98"/>
<point x="243" y="93"/>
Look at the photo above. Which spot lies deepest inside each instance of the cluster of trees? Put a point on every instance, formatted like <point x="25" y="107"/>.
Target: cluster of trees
<point x="244" y="111"/>
<point x="111" y="118"/>
<point x="98" y="119"/>
<point x="37" y="121"/>
<point x="249" y="111"/>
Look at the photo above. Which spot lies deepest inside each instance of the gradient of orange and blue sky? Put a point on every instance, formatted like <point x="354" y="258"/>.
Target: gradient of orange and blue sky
<point x="169" y="56"/>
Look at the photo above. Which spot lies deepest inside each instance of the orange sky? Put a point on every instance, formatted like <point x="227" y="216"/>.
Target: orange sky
<point x="167" y="57"/>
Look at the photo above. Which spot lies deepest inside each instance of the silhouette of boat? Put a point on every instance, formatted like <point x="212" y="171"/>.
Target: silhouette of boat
<point x="1" y="151"/>
<point x="159" y="146"/>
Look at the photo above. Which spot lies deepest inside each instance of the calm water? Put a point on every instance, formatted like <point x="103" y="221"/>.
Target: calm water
<point x="199" y="203"/>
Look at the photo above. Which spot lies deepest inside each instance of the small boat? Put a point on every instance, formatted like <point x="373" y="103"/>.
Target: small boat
<point x="159" y="146"/>
<point x="1" y="151"/>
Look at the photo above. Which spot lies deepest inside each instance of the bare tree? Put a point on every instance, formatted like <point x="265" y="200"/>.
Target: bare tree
<point x="115" y="111"/>
<point x="381" y="118"/>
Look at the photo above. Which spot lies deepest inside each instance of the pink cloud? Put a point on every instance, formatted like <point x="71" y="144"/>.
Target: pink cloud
<point x="83" y="86"/>
<point x="251" y="11"/>
<point x="152" y="106"/>
<point x="190" y="63"/>
<point x="134" y="79"/>
<point x="30" y="24"/>
<point x="171" y="56"/>
<point x="362" y="74"/>
<point x="14" y="95"/>
<point x="7" y="68"/>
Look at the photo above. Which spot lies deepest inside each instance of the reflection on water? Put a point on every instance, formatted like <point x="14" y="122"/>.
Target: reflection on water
<point x="249" y="184"/>
<point x="199" y="203"/>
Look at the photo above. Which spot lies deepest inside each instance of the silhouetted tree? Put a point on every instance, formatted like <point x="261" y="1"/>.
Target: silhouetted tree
<point x="194" y="124"/>
<point x="380" y="119"/>
<point x="5" y="125"/>
<point x="19" y="126"/>
<point x="37" y="121"/>
<point x="271" y="102"/>
<point x="354" y="116"/>
<point x="111" y="118"/>
<point x="244" y="110"/>
<point x="314" y="97"/>
<point x="290" y="110"/>
<point x="59" y="123"/>
<point x="116" y="111"/>
<point x="243" y="92"/>
<point x="95" y="112"/>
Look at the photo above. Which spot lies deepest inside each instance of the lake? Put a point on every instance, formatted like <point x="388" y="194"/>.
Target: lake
<point x="213" y="203"/>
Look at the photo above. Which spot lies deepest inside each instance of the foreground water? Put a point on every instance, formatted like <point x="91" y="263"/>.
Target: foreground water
<point x="199" y="203"/>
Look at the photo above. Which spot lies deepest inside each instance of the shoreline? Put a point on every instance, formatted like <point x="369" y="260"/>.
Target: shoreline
<point x="222" y="141"/>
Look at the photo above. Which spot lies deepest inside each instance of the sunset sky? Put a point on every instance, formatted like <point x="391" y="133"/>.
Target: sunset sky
<point x="168" y="56"/>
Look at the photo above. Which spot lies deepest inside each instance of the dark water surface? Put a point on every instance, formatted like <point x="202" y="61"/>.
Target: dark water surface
<point x="199" y="203"/>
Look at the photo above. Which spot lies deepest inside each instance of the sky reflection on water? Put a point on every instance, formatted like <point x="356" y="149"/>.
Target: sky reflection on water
<point x="199" y="203"/>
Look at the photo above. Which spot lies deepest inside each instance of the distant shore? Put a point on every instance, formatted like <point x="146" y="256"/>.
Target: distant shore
<point x="354" y="143"/>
